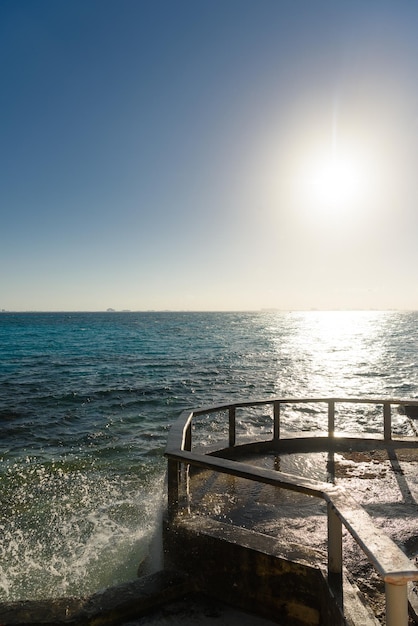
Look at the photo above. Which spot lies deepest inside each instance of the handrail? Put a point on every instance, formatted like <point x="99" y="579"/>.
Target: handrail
<point x="394" y="567"/>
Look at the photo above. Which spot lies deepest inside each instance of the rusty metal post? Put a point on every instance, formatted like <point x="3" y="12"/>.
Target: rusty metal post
<point x="276" y="419"/>
<point x="173" y="478"/>
<point x="335" y="553"/>
<point x="396" y="605"/>
<point x="232" y="426"/>
<point x="188" y="438"/>
<point x="387" y="421"/>
<point x="331" y="418"/>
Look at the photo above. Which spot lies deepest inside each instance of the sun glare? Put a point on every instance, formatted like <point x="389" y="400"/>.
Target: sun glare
<point x="331" y="181"/>
<point x="335" y="183"/>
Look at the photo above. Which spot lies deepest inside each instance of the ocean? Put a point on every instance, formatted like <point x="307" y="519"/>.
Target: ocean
<point x="87" y="399"/>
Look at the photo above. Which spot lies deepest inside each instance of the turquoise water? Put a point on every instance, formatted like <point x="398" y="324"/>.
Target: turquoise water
<point x="86" y="401"/>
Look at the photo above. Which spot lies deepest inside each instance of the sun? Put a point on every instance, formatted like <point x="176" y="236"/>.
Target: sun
<point x="335" y="183"/>
<point x="331" y="181"/>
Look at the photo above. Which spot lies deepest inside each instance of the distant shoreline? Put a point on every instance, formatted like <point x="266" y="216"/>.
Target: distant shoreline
<point x="262" y="310"/>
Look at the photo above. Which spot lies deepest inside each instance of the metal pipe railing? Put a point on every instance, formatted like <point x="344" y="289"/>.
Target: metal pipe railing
<point x="331" y="418"/>
<point x="389" y="561"/>
<point x="232" y="426"/>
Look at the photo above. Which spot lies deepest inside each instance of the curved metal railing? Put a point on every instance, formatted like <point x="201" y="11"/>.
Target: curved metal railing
<point x="394" y="567"/>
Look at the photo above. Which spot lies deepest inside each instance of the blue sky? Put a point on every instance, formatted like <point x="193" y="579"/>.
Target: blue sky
<point x="162" y="154"/>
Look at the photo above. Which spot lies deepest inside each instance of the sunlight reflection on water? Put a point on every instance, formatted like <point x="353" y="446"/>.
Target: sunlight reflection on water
<point x="339" y="353"/>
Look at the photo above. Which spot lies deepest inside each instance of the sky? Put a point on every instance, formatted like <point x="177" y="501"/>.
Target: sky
<point x="208" y="154"/>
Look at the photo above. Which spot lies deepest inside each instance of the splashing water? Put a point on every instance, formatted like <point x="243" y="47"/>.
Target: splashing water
<point x="71" y="530"/>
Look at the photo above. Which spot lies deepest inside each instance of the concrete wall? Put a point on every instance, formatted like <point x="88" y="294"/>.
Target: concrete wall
<point x="252" y="571"/>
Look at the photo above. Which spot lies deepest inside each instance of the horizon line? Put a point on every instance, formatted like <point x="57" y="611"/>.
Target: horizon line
<point x="260" y="310"/>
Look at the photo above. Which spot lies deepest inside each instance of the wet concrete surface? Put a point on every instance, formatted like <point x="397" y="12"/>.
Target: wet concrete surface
<point x="200" y="611"/>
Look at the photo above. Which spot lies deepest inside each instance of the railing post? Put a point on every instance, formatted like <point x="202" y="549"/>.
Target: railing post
<point x="231" y="426"/>
<point x="335" y="552"/>
<point x="331" y="467"/>
<point x="396" y="605"/>
<point x="276" y="420"/>
<point x="387" y="421"/>
<point x="173" y="478"/>
<point x="188" y="438"/>
<point x="331" y="418"/>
